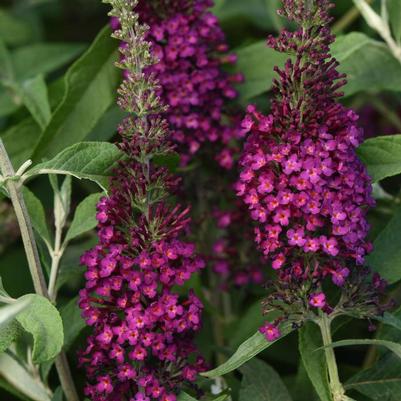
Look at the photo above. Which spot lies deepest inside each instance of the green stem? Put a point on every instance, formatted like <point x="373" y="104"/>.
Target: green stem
<point x="337" y="389"/>
<point x="347" y="19"/>
<point x="56" y="255"/>
<point x="31" y="250"/>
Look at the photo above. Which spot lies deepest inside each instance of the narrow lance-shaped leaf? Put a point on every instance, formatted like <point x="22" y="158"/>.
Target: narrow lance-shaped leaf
<point x="15" y="374"/>
<point x="13" y="30"/>
<point x="246" y="351"/>
<point x="89" y="91"/>
<point x="392" y="346"/>
<point x="90" y="160"/>
<point x="42" y="58"/>
<point x="84" y="218"/>
<point x="20" y="139"/>
<point x="314" y="360"/>
<point x="37" y="214"/>
<point x="33" y="94"/>
<point x="185" y="397"/>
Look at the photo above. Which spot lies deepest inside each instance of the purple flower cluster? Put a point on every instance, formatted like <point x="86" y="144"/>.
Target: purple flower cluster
<point x="143" y="330"/>
<point x="191" y="49"/>
<point x="141" y="347"/>
<point x="308" y="191"/>
<point x="300" y="176"/>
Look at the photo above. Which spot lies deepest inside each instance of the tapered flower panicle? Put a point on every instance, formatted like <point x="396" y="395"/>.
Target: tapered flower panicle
<point x="191" y="49"/>
<point x="300" y="175"/>
<point x="141" y="347"/>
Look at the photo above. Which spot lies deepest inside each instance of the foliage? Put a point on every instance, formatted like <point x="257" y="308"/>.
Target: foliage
<point x="58" y="86"/>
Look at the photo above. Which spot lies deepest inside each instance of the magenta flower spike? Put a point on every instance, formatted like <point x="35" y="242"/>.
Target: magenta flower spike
<point x="141" y="346"/>
<point x="303" y="183"/>
<point x="192" y="50"/>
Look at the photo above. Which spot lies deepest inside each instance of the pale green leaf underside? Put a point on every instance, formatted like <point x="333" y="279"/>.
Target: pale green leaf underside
<point x="43" y="321"/>
<point x="15" y="374"/>
<point x="392" y="346"/>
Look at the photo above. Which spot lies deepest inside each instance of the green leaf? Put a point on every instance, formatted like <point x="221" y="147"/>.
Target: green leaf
<point x="90" y="160"/>
<point x="256" y="62"/>
<point x="43" y="321"/>
<point x="13" y="30"/>
<point x="9" y="312"/>
<point x="368" y="63"/>
<point x="386" y="255"/>
<point x="106" y="127"/>
<point x="85" y="217"/>
<point x="37" y="214"/>
<point x="303" y="389"/>
<point x="70" y="270"/>
<point x="246" y="351"/>
<point x="73" y="325"/>
<point x="43" y="58"/>
<point x="12" y="390"/>
<point x="222" y="397"/>
<point x="313" y="358"/>
<point x="6" y="67"/>
<point x="58" y="394"/>
<point x="72" y="322"/>
<point x="90" y="90"/>
<point x="390" y="320"/>
<point x="394" y="10"/>
<point x="261" y="383"/>
<point x="392" y="346"/>
<point x="381" y="156"/>
<point x="7" y="104"/>
<point x="16" y="375"/>
<point x="271" y="7"/>
<point x="3" y="292"/>
<point x="20" y="139"/>
<point x="185" y="397"/>
<point x="382" y="382"/>
<point x="8" y="334"/>
<point x="33" y="93"/>
<point x="254" y="11"/>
